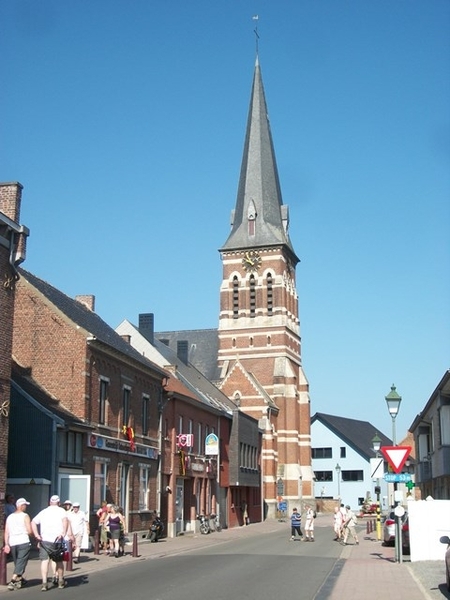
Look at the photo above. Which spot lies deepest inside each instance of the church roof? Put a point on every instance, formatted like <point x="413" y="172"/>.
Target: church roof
<point x="259" y="193"/>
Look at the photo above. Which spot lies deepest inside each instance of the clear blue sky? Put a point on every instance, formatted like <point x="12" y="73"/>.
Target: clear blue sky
<point x="125" y="123"/>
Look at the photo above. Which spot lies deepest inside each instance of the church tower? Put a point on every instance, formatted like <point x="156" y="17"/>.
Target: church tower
<point x="259" y="328"/>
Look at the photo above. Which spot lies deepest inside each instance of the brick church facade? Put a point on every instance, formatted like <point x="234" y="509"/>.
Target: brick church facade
<point x="258" y="348"/>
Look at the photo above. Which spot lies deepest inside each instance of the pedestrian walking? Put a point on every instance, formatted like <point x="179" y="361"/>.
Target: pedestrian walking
<point x="296" y="524"/>
<point x="114" y="521"/>
<point x="80" y="527"/>
<point x="102" y="513"/>
<point x="17" y="542"/>
<point x="349" y="526"/>
<point x="338" y="524"/>
<point x="309" y="524"/>
<point x="50" y="526"/>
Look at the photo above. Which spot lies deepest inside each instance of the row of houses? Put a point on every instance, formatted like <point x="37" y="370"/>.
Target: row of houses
<point x="93" y="418"/>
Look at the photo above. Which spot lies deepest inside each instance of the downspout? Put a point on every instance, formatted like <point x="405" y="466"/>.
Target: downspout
<point x="161" y="406"/>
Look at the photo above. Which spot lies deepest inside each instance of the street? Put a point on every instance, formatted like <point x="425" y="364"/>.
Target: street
<point x="256" y="568"/>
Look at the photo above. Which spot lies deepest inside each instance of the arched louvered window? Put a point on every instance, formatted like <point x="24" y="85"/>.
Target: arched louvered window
<point x="235" y="297"/>
<point x="269" y="294"/>
<point x="252" y="295"/>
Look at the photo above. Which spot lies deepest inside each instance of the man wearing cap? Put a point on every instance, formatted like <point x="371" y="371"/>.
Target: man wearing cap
<point x="80" y="527"/>
<point x="349" y="526"/>
<point x="67" y="505"/>
<point x="49" y="526"/>
<point x="17" y="542"/>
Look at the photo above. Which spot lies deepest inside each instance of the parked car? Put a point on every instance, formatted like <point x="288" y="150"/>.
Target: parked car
<point x="389" y="530"/>
<point x="446" y="540"/>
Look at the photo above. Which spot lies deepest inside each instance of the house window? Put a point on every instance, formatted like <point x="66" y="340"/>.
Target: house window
<point x="352" y="475"/>
<point x="104" y="386"/>
<point x="70" y="447"/>
<point x="269" y="295"/>
<point x="235" y="297"/>
<point x="100" y="479"/>
<point x="144" y="488"/>
<point x="343" y="451"/>
<point x="252" y="296"/>
<point x="444" y="424"/>
<point x="126" y="404"/>
<point x="321" y="452"/>
<point x="145" y="405"/>
<point x="199" y="439"/>
<point x="324" y="475"/>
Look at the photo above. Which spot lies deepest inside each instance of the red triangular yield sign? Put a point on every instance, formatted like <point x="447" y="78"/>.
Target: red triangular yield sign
<point x="396" y="456"/>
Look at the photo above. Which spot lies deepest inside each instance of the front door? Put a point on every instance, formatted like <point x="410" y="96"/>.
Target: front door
<point x="179" y="501"/>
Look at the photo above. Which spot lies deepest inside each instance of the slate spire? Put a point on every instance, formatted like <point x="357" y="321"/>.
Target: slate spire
<point x="260" y="218"/>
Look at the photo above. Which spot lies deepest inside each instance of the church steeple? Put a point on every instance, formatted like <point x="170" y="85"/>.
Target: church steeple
<point x="260" y="218"/>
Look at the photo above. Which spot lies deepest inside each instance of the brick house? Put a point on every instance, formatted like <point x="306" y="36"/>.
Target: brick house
<point x="110" y="447"/>
<point x="194" y="478"/>
<point x="12" y="252"/>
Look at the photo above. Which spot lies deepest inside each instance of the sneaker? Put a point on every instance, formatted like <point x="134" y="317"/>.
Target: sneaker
<point x="292" y="537"/>
<point x="357" y="543"/>
<point x="61" y="584"/>
<point x="12" y="585"/>
<point x="55" y="581"/>
<point x="312" y="539"/>
<point x="44" y="587"/>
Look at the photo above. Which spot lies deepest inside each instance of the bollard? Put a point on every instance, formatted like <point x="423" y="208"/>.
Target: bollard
<point x="135" y="545"/>
<point x="3" y="561"/>
<point x="367" y="528"/>
<point x="96" y="543"/>
<point x="69" y="566"/>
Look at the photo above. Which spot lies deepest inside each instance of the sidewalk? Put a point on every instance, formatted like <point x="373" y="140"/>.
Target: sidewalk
<point x="367" y="571"/>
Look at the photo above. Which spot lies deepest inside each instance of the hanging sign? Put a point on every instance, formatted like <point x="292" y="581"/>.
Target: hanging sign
<point x="212" y="445"/>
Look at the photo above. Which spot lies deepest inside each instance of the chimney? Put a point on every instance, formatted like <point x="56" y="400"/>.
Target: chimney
<point x="126" y="338"/>
<point x="10" y="200"/>
<point x="87" y="300"/>
<point x="182" y="351"/>
<point x="147" y="326"/>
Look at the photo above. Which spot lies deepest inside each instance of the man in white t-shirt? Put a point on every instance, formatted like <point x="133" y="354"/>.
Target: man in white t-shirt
<point x="49" y="526"/>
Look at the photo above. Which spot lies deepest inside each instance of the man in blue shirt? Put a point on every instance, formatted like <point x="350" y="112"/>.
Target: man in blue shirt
<point x="296" y="522"/>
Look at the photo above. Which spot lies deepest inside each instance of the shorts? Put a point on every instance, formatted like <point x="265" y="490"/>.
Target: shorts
<point x="43" y="554"/>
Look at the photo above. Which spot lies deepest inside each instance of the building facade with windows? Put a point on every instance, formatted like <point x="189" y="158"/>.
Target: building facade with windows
<point x="199" y="477"/>
<point x="107" y="398"/>
<point x="431" y="431"/>
<point x="341" y="451"/>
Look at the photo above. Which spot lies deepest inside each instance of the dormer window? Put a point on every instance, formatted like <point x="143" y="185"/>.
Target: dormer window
<point x="251" y="218"/>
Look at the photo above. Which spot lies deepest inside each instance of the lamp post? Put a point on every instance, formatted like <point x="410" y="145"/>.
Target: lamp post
<point x="338" y="474"/>
<point x="376" y="445"/>
<point x="393" y="401"/>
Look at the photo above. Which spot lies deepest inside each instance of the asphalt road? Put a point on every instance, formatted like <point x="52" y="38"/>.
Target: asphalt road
<point x="256" y="568"/>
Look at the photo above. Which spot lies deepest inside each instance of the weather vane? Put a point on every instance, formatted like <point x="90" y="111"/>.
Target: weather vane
<point x="256" y="18"/>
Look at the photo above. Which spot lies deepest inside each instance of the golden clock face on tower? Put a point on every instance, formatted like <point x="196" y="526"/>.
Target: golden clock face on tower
<point x="251" y="261"/>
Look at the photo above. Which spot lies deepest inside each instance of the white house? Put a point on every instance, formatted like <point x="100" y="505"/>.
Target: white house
<point x="341" y="460"/>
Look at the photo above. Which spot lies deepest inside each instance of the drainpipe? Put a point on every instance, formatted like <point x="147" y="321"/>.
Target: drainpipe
<point x="161" y="406"/>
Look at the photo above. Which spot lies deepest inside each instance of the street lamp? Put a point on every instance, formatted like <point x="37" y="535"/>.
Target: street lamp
<point x="338" y="473"/>
<point x="376" y="445"/>
<point x="393" y="401"/>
